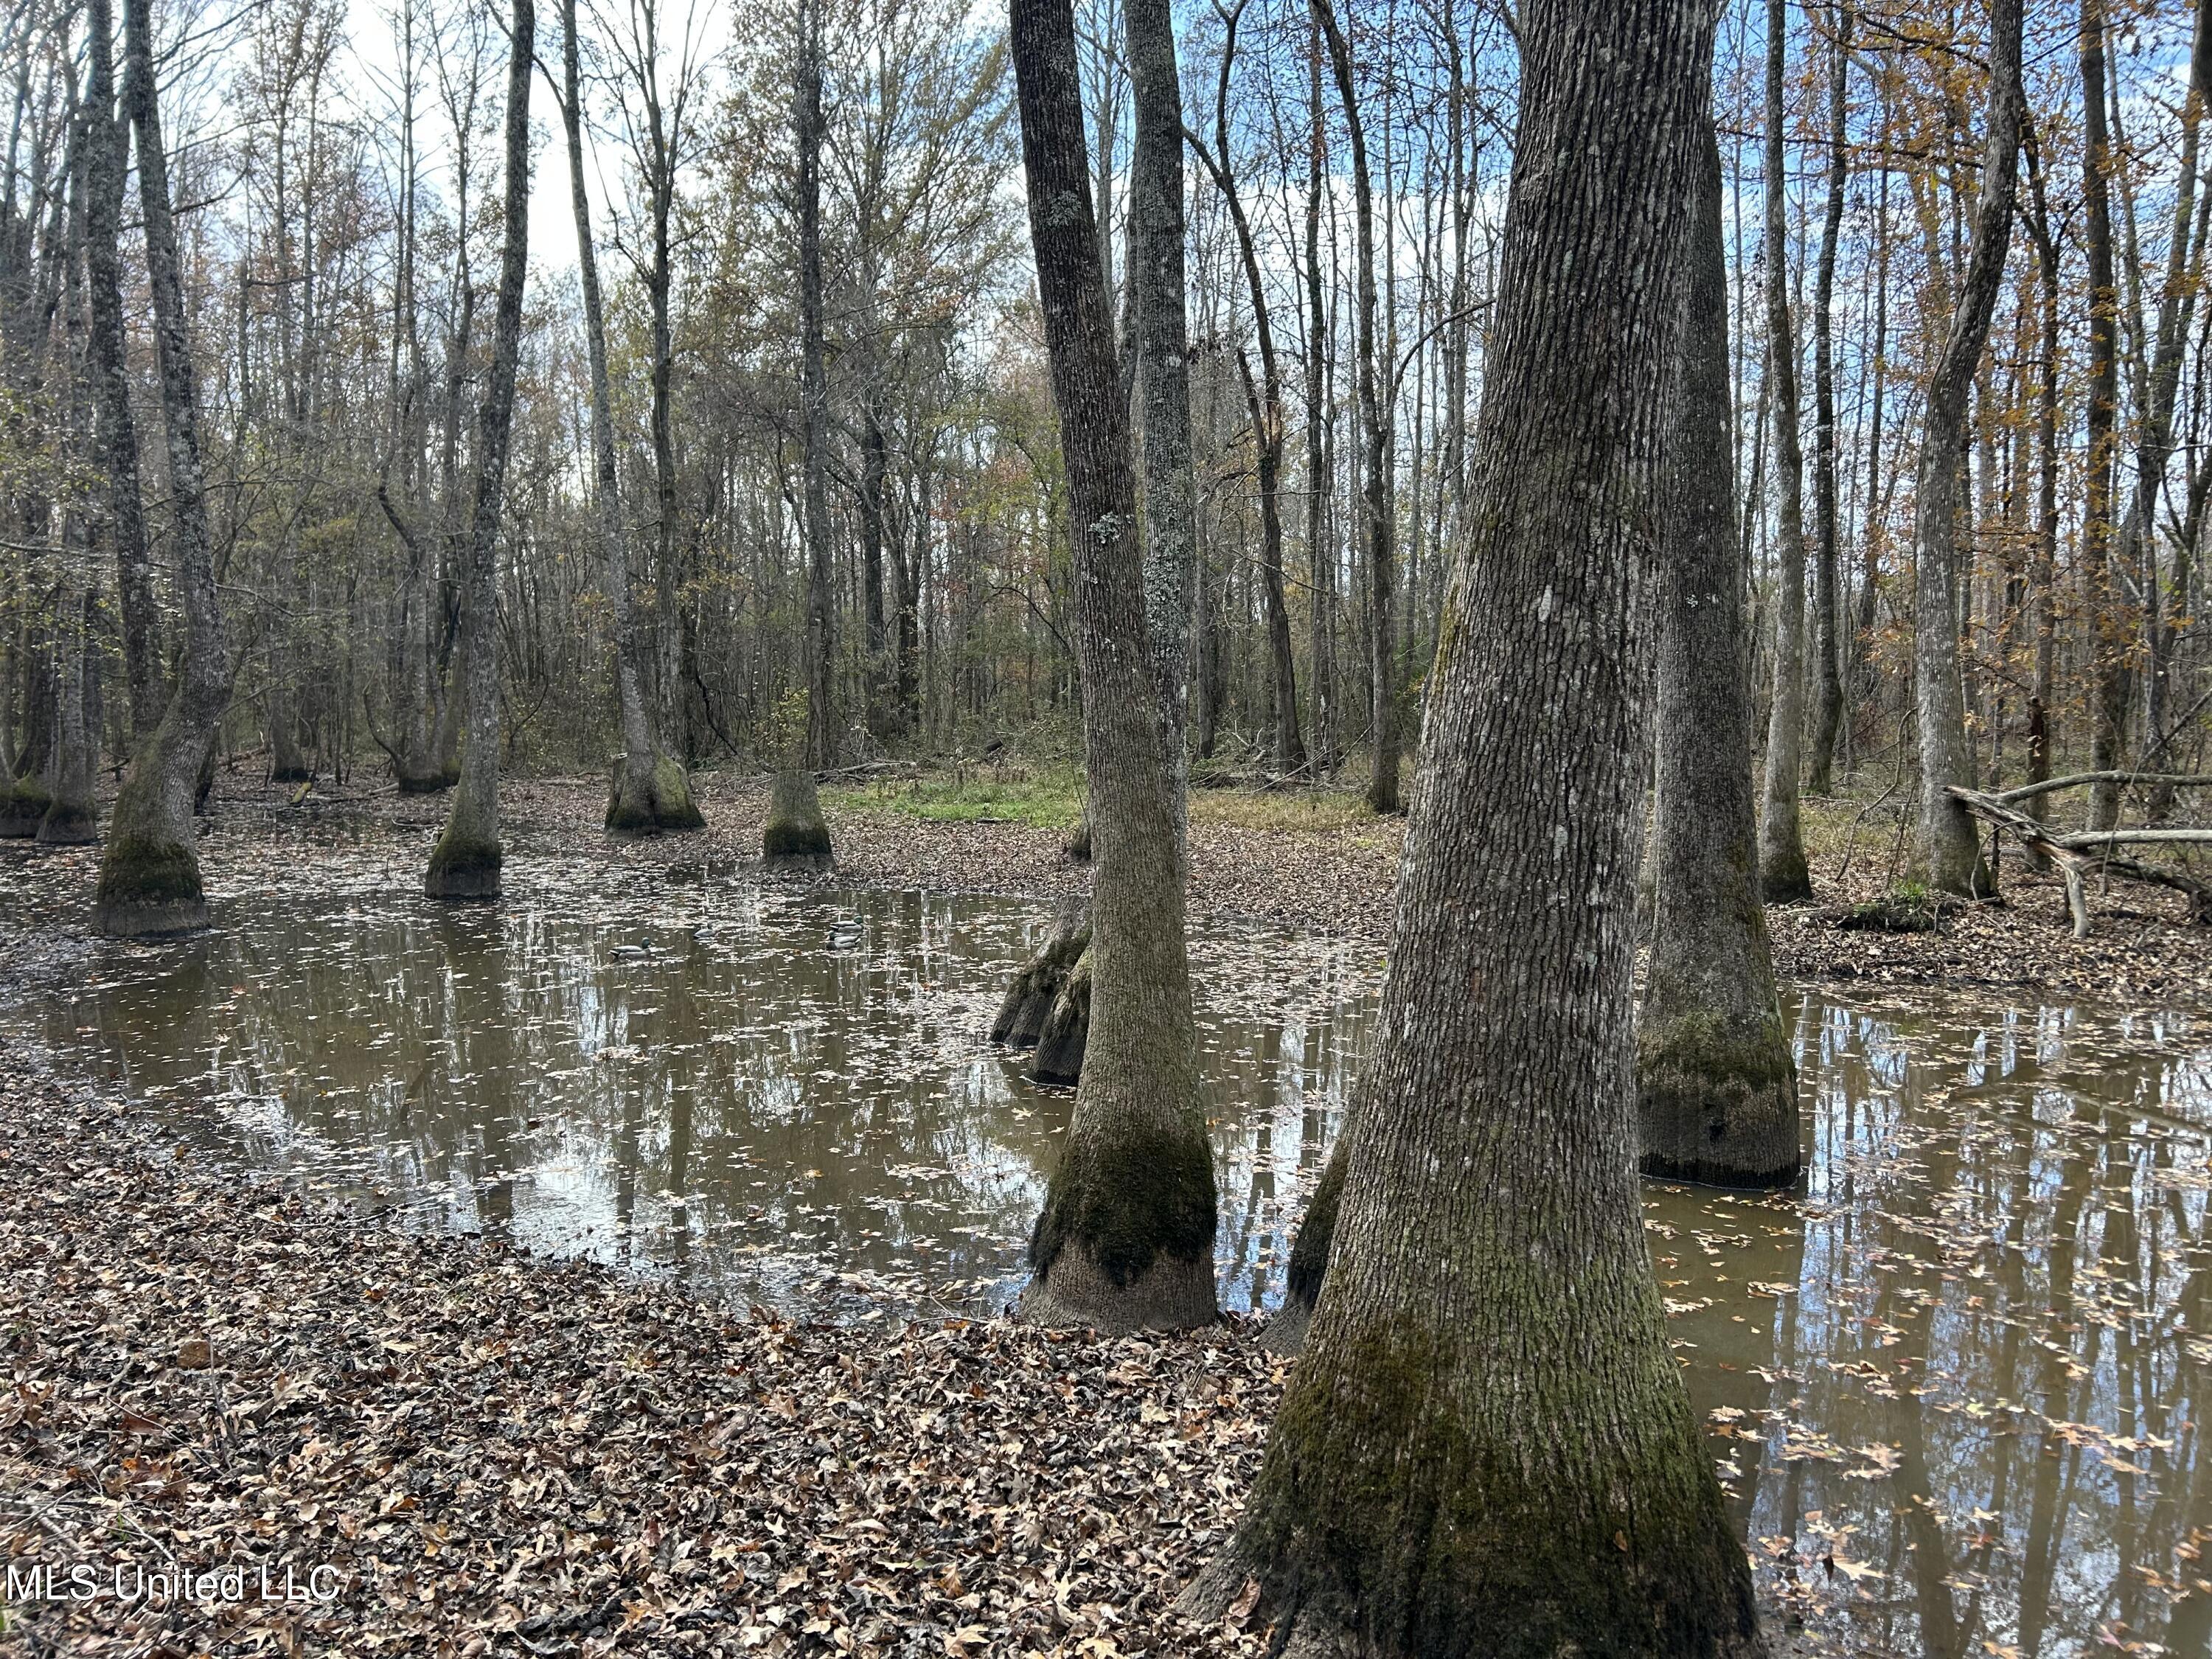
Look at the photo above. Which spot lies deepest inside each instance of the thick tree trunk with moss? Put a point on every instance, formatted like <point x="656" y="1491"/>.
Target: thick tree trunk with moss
<point x="1126" y="1239"/>
<point x="647" y="791"/>
<point x="1782" y="876"/>
<point x="1486" y="1448"/>
<point x="465" y="863"/>
<point x="150" y="877"/>
<point x="1038" y="983"/>
<point x="795" y="836"/>
<point x="1716" y="1081"/>
<point x="1950" y="850"/>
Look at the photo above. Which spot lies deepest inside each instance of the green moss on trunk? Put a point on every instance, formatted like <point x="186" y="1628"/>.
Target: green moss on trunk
<point x="148" y="886"/>
<point x="1718" y="1100"/>
<point x="795" y="830"/>
<point x="22" y="808"/>
<point x="664" y="803"/>
<point x="463" y="867"/>
<point x="1126" y="1200"/>
<point x="1455" y="1546"/>
<point x="66" y="824"/>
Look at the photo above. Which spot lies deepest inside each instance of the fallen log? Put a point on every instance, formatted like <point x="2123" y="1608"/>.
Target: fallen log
<point x="2078" y="779"/>
<point x="2076" y="857"/>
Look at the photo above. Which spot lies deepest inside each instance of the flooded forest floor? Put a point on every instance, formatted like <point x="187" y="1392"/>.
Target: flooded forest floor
<point x="496" y="1453"/>
<point x="1301" y="859"/>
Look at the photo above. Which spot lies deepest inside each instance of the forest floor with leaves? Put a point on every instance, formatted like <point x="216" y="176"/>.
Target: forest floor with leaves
<point x="1306" y="859"/>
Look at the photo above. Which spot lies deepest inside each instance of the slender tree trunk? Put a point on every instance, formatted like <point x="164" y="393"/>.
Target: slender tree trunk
<point x="1717" y="1083"/>
<point x="1827" y="556"/>
<point x="117" y="433"/>
<point x="1486" y="1448"/>
<point x="1263" y="400"/>
<point x="466" y="862"/>
<point x="1782" y="876"/>
<point x="1374" y="377"/>
<point x="2045" y="578"/>
<point x="1950" y="849"/>
<point x="1125" y="1238"/>
<point x="149" y="876"/>
<point x="2108" y="693"/>
<point x="814" y="396"/>
<point x="1321" y="549"/>
<point x="648" y="791"/>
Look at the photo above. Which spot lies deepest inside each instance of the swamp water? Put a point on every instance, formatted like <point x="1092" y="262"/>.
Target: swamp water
<point x="1954" y="1385"/>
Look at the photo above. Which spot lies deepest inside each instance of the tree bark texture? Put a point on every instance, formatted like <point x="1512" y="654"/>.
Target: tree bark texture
<point x="1125" y="1238"/>
<point x="1716" y="1081"/>
<point x="150" y="874"/>
<point x="1486" y="1448"/>
<point x="1782" y="876"/>
<point x="1950" y="851"/>
<point x="466" y="862"/>
<point x="2108" y="696"/>
<point x="1160" y="343"/>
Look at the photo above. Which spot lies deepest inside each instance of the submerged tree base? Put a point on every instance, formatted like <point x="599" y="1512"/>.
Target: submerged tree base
<point x="1066" y="1032"/>
<point x="22" y="809"/>
<point x="1718" y="1101"/>
<point x="1037" y="982"/>
<point x="796" y="837"/>
<point x="663" y="802"/>
<point x="463" y="869"/>
<point x="68" y="825"/>
<point x="149" y="888"/>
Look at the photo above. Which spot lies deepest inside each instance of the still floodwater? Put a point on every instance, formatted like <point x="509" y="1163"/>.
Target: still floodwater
<point x="1954" y="1385"/>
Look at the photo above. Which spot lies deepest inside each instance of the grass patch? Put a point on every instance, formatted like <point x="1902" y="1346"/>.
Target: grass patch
<point x="1037" y="800"/>
<point x="1325" y="811"/>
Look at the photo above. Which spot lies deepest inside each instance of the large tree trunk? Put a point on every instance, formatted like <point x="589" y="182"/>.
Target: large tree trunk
<point x="1487" y="1448"/>
<point x="1374" y="389"/>
<point x="1126" y="1239"/>
<point x="150" y="877"/>
<point x="1783" y="877"/>
<point x="648" y="791"/>
<point x="814" y="396"/>
<point x="466" y="862"/>
<point x="116" y="433"/>
<point x="1949" y="849"/>
<point x="1716" y="1085"/>
<point x="1827" y="551"/>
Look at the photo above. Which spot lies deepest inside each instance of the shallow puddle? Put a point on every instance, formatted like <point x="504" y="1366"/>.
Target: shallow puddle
<point x="1952" y="1385"/>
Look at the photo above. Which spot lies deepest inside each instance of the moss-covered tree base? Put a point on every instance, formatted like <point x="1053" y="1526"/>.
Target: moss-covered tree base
<point x="1537" y="1544"/>
<point x="1285" y="1334"/>
<point x="1066" y="1031"/>
<point x="796" y="837"/>
<point x="22" y="808"/>
<point x="1718" y="1101"/>
<point x="1125" y="1241"/>
<point x="292" y="774"/>
<point x="66" y="825"/>
<point x="663" y="803"/>
<point x="462" y="868"/>
<point x="149" y="888"/>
